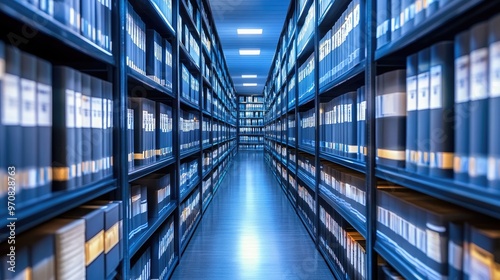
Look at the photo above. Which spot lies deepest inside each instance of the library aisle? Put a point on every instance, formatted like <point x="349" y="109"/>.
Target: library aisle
<point x="250" y="231"/>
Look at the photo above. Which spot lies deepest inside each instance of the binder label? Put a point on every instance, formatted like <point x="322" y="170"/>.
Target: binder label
<point x="494" y="69"/>
<point x="28" y="103"/>
<point x="391" y="105"/>
<point x="44" y="100"/>
<point x="79" y="110"/>
<point x="70" y="108"/>
<point x="479" y="70"/>
<point x="423" y="91"/>
<point x="436" y="100"/>
<point x="11" y="100"/>
<point x="411" y="89"/>
<point x="462" y="79"/>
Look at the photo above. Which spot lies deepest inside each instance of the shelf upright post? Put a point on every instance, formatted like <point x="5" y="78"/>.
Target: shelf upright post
<point x="120" y="139"/>
<point x="200" y="109"/>
<point x="296" y="97"/>
<point x="371" y="182"/>
<point x="316" y="105"/>
<point x="175" y="126"/>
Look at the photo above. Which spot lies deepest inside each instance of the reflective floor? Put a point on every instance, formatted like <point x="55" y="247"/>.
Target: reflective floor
<point x="250" y="231"/>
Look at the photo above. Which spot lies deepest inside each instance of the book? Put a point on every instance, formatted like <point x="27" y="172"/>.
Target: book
<point x="423" y="112"/>
<point x="158" y="193"/>
<point x="78" y="128"/>
<point x="44" y="126"/>
<point x="168" y="70"/>
<point x="86" y="129"/>
<point x="390" y="116"/>
<point x="27" y="185"/>
<point x="412" y="113"/>
<point x="462" y="103"/>
<point x="479" y="105"/>
<point x="396" y="19"/>
<point x="97" y="123"/>
<point x="63" y="133"/>
<point x="484" y="253"/>
<point x="494" y="102"/>
<point x="154" y="55"/>
<point x="408" y="8"/>
<point x="108" y="128"/>
<point x="130" y="138"/>
<point x="441" y="109"/>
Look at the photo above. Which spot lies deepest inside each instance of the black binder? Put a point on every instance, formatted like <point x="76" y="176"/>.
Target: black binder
<point x="441" y="110"/>
<point x="27" y="187"/>
<point x="494" y="102"/>
<point x="86" y="130"/>
<point x="78" y="128"/>
<point x="63" y="133"/>
<point x="44" y="129"/>
<point x="391" y="118"/>
<point x="462" y="103"/>
<point x="423" y="123"/>
<point x="479" y="104"/>
<point x="412" y="113"/>
<point x="97" y="129"/>
<point x="138" y="105"/>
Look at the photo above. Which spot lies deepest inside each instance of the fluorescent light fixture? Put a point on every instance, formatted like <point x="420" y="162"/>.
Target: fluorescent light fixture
<point x="249" y="51"/>
<point x="248" y="76"/>
<point x="249" y="84"/>
<point x="249" y="31"/>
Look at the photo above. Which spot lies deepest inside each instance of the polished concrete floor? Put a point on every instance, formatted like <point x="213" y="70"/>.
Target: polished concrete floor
<point x="250" y="231"/>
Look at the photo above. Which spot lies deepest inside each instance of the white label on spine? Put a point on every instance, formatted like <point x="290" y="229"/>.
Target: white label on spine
<point x="86" y="113"/>
<point x="28" y="103"/>
<point x="70" y="108"/>
<point x="433" y="245"/>
<point x="494" y="78"/>
<point x="11" y="100"/>
<point x="423" y="91"/>
<point x="110" y="114"/>
<point x="462" y="79"/>
<point x="96" y="112"/>
<point x="44" y="105"/>
<point x="455" y="255"/>
<point x="436" y="100"/>
<point x="479" y="72"/>
<point x="78" y="110"/>
<point x="391" y="105"/>
<point x="411" y="89"/>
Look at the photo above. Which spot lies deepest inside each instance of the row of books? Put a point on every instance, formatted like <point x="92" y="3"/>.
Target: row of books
<point x="396" y="18"/>
<point x="252" y="107"/>
<point x="165" y="8"/>
<point x="254" y="114"/>
<point x="190" y="86"/>
<point x="92" y="18"/>
<point x="59" y="248"/>
<point x="190" y="211"/>
<point x="292" y="157"/>
<point x="307" y="129"/>
<point x="45" y="108"/>
<point x="292" y="59"/>
<point x="346" y="188"/>
<point x="193" y="12"/>
<point x="149" y="131"/>
<point x="251" y="139"/>
<point x="189" y="42"/>
<point x="189" y="130"/>
<point x="163" y="251"/>
<point x="437" y="239"/>
<point x="147" y="52"/>
<point x="251" y="130"/>
<point x="343" y="125"/>
<point x="206" y="130"/>
<point x="307" y="166"/>
<point x="205" y="42"/>
<point x="306" y="78"/>
<point x="342" y="48"/>
<point x="306" y="205"/>
<point x="251" y="147"/>
<point x="206" y="188"/>
<point x="140" y="269"/>
<point x="188" y="175"/>
<point x="344" y="245"/>
<point x="251" y="122"/>
<point x="307" y="29"/>
<point x="251" y="99"/>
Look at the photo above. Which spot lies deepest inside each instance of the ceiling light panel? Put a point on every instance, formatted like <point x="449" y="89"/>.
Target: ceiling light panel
<point x="246" y="31"/>
<point x="249" y="51"/>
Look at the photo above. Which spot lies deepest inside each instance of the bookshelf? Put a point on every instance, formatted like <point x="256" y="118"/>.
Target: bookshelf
<point x="251" y="122"/>
<point x="148" y="177"/>
<point x="331" y="145"/>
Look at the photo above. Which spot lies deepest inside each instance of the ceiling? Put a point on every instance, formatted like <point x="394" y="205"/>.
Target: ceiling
<point x="229" y="15"/>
